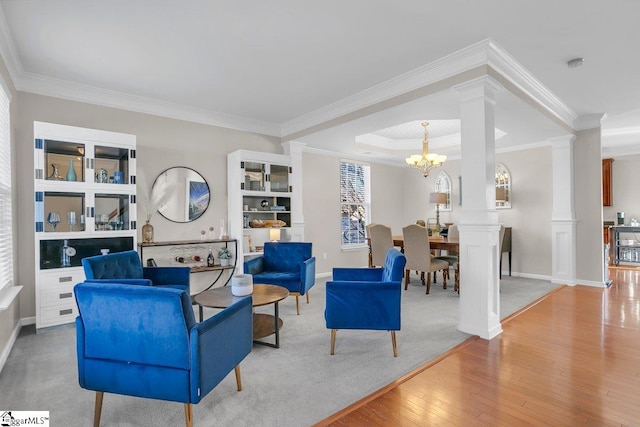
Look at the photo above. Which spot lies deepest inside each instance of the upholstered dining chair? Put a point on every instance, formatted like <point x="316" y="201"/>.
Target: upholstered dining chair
<point x="418" y="253"/>
<point x="366" y="298"/>
<point x="381" y="241"/>
<point x="451" y="257"/>
<point x="144" y="341"/>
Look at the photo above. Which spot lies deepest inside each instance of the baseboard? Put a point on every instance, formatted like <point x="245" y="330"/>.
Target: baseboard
<point x="7" y="348"/>
<point x="528" y="276"/>
<point x="322" y="275"/>
<point x="591" y="283"/>
<point x="28" y="321"/>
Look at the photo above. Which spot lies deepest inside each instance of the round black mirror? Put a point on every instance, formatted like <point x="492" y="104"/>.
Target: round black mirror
<point x="182" y="194"/>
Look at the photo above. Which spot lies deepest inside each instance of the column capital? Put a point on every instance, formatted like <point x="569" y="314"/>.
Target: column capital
<point x="480" y="87"/>
<point x="589" y="121"/>
<point x="563" y="140"/>
<point x="291" y="147"/>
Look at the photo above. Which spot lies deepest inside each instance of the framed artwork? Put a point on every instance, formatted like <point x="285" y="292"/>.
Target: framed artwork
<point x="198" y="199"/>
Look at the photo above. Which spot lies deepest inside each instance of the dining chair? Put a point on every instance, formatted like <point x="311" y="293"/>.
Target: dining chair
<point x="381" y="241"/>
<point x="418" y="253"/>
<point x="451" y="258"/>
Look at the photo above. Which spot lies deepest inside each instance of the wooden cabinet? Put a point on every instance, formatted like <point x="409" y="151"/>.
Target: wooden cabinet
<point x="607" y="182"/>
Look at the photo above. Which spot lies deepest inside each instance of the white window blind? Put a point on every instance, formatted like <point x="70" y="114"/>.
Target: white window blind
<point x="6" y="224"/>
<point x="355" y="202"/>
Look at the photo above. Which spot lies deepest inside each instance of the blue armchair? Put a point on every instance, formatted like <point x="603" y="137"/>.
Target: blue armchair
<point x="144" y="341"/>
<point x="366" y="298"/>
<point x="126" y="268"/>
<point x="286" y="264"/>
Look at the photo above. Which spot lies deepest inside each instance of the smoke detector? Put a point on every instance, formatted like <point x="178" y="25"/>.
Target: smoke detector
<point x="575" y="62"/>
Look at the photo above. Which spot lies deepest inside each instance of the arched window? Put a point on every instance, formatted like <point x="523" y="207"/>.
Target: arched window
<point x="443" y="185"/>
<point x="503" y="187"/>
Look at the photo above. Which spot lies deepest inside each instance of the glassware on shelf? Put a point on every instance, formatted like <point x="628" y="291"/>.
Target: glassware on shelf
<point x="55" y="173"/>
<point x="53" y="219"/>
<point x="147" y="233"/>
<point x="71" y="173"/>
<point x="102" y="222"/>
<point x="71" y="219"/>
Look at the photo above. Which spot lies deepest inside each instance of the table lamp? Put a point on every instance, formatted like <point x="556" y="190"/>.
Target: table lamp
<point x="274" y="234"/>
<point x="438" y="199"/>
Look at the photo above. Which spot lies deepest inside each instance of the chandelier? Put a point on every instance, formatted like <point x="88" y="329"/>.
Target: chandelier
<point x="426" y="161"/>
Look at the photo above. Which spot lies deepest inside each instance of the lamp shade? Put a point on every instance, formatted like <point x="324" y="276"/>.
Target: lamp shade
<point x="501" y="194"/>
<point x="274" y="234"/>
<point x="439" y="198"/>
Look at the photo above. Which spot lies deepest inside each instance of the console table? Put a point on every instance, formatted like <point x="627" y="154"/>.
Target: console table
<point x="196" y="267"/>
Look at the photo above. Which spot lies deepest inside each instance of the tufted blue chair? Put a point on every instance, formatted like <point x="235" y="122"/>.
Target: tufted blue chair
<point x="144" y="341"/>
<point x="366" y="298"/>
<point x="286" y="264"/>
<point x="125" y="267"/>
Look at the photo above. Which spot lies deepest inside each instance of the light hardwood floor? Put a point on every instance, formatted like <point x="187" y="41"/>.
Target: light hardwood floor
<point x="572" y="358"/>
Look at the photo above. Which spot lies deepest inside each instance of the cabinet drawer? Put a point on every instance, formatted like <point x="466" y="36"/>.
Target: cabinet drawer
<point x="61" y="279"/>
<point x="57" y="295"/>
<point x="58" y="315"/>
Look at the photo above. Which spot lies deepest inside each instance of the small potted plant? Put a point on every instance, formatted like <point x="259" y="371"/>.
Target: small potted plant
<point x="224" y="254"/>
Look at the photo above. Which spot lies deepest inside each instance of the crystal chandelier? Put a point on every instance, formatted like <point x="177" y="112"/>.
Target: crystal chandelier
<point x="426" y="161"/>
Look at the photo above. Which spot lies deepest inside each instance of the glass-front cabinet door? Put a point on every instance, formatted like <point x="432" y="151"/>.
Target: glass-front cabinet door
<point x="265" y="177"/>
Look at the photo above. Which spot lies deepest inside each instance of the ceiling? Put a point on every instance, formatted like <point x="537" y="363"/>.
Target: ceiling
<point x="284" y="67"/>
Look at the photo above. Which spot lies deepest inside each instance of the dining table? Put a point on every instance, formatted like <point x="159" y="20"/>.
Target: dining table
<point x="436" y="243"/>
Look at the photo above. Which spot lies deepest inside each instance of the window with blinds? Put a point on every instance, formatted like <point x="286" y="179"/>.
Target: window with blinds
<point x="6" y="225"/>
<point x="355" y="202"/>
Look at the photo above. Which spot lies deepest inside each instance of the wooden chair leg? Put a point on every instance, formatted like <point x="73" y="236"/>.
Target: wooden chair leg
<point x="238" y="378"/>
<point x="428" y="282"/>
<point x="393" y="343"/>
<point x="298" y="305"/>
<point x="406" y="279"/>
<point x="445" y="274"/>
<point x="98" y="408"/>
<point x="333" y="340"/>
<point x="307" y="297"/>
<point x="188" y="414"/>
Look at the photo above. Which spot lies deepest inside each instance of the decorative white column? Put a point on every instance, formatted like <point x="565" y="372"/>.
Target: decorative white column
<point x="294" y="149"/>
<point x="479" y="307"/>
<point x="563" y="218"/>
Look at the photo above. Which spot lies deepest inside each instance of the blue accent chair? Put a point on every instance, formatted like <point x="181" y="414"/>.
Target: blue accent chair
<point x="366" y="298"/>
<point x="126" y="268"/>
<point x="144" y="341"/>
<point x="286" y="264"/>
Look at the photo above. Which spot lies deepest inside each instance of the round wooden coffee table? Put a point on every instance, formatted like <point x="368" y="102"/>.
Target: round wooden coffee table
<point x="263" y="324"/>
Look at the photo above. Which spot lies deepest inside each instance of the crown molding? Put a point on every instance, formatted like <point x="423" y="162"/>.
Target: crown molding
<point x="462" y="60"/>
<point x="509" y="68"/>
<point x="486" y="52"/>
<point x="84" y="93"/>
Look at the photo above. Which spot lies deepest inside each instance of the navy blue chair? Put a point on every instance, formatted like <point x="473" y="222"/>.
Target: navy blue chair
<point x="366" y="298"/>
<point x="286" y="264"/>
<point x="144" y="341"/>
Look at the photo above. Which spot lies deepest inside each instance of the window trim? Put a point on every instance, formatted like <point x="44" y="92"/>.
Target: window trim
<point x="366" y="203"/>
<point x="444" y="176"/>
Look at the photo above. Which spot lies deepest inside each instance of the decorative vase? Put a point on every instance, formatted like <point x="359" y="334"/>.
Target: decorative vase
<point x="241" y="285"/>
<point x="71" y="173"/>
<point x="224" y="262"/>
<point x="55" y="173"/>
<point x="147" y="233"/>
